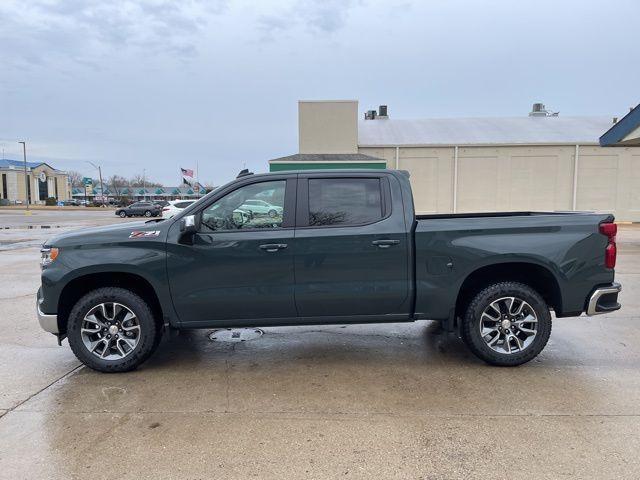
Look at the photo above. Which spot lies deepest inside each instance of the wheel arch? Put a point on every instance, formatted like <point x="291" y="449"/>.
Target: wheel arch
<point x="81" y="285"/>
<point x="536" y="276"/>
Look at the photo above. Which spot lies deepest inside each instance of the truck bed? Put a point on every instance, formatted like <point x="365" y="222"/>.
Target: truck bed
<point x="450" y="247"/>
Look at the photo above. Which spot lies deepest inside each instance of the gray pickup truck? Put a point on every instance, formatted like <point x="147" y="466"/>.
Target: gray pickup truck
<point x="325" y="247"/>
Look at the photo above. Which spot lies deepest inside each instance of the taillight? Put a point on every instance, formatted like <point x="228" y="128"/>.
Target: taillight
<point x="165" y="209"/>
<point x="610" y="252"/>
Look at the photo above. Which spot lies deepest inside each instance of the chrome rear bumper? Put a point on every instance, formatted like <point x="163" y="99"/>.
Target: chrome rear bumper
<point x="49" y="323"/>
<point x="604" y="300"/>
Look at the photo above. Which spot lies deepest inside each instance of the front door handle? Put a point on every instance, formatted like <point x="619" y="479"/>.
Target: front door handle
<point x="273" y="247"/>
<point x="385" y="243"/>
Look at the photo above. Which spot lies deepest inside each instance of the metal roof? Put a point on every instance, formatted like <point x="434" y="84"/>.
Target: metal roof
<point x="620" y="130"/>
<point x="483" y="131"/>
<point x="7" y="163"/>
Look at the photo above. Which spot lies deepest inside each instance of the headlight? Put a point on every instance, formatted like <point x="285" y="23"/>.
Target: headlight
<point x="48" y="255"/>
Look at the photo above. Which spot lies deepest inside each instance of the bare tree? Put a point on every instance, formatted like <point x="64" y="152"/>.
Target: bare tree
<point x="75" y="178"/>
<point x="117" y="184"/>
<point x="139" y="181"/>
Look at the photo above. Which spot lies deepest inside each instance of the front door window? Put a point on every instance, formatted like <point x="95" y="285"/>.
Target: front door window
<point x="255" y="206"/>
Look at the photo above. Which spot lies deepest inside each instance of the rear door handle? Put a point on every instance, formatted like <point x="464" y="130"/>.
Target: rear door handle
<point x="385" y="243"/>
<point x="273" y="247"/>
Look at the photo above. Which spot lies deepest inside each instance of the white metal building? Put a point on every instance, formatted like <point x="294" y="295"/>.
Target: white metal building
<point x="533" y="162"/>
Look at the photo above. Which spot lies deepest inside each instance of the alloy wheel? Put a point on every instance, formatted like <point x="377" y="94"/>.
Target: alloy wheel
<point x="508" y="325"/>
<point x="110" y="330"/>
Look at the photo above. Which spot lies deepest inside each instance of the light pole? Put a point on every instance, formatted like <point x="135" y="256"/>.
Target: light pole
<point x="26" y="179"/>
<point x="144" y="183"/>
<point x="100" y="174"/>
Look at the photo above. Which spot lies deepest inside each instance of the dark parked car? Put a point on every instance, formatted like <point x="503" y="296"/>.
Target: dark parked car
<point x="145" y="209"/>
<point x="343" y="247"/>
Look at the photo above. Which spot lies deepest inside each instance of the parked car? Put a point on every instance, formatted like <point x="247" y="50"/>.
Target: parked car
<point x="348" y="248"/>
<point x="146" y="209"/>
<point x="70" y="203"/>
<point x="256" y="206"/>
<point x="162" y="203"/>
<point x="174" y="207"/>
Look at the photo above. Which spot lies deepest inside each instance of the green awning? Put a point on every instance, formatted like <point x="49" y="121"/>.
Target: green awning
<point x="279" y="167"/>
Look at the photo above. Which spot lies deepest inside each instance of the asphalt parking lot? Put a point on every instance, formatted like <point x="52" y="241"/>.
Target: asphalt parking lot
<point x="382" y="401"/>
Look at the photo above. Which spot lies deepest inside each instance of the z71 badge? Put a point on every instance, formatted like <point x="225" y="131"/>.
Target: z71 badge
<point x="144" y="234"/>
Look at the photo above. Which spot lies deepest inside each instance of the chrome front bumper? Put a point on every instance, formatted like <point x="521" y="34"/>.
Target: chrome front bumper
<point x="604" y="300"/>
<point x="49" y="323"/>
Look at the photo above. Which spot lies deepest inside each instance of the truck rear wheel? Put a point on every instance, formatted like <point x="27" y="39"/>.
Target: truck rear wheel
<point x="507" y="324"/>
<point x="112" y="330"/>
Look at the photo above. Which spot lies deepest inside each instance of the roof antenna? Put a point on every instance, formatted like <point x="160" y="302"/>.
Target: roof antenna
<point x="244" y="173"/>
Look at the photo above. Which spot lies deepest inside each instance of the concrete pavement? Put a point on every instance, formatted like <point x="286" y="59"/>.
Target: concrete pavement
<point x="375" y="401"/>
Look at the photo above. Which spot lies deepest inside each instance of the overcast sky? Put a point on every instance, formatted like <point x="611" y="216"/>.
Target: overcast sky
<point x="159" y="84"/>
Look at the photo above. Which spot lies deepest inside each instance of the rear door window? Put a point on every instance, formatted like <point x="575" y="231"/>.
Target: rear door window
<point x="344" y="201"/>
<point x="182" y="204"/>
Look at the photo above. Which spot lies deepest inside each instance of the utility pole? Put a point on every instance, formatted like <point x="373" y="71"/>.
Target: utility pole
<point x="144" y="183"/>
<point x="100" y="174"/>
<point x="26" y="179"/>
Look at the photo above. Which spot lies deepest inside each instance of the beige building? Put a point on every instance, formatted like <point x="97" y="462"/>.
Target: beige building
<point x="43" y="181"/>
<point x="540" y="161"/>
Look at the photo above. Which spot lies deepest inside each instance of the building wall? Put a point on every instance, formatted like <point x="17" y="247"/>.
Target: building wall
<point x="16" y="184"/>
<point x="515" y="178"/>
<point x="328" y="126"/>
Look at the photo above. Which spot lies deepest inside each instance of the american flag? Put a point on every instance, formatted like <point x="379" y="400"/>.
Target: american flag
<point x="186" y="172"/>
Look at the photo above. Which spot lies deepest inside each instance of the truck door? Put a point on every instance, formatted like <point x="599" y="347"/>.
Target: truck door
<point x="240" y="264"/>
<point x="352" y="246"/>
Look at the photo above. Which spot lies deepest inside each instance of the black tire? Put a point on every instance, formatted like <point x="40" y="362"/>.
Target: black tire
<point x="471" y="324"/>
<point x="147" y="213"/>
<point x="150" y="330"/>
<point x="123" y="214"/>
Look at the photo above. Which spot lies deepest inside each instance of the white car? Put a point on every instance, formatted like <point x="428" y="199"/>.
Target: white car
<point x="260" y="207"/>
<point x="175" y="207"/>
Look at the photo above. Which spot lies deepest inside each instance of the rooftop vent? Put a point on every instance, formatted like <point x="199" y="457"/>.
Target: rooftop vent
<point x="380" y="114"/>
<point x="539" y="110"/>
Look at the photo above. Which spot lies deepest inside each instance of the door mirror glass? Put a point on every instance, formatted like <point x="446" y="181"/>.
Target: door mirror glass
<point x="188" y="224"/>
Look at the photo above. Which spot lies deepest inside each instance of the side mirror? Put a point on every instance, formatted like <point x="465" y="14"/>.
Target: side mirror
<point x="188" y="224"/>
<point x="239" y="217"/>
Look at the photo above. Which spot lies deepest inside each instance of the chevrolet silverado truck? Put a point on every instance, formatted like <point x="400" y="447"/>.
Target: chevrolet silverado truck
<point x="342" y="247"/>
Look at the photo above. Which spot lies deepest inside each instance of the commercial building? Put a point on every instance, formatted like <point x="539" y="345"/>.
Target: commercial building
<point x="539" y="161"/>
<point x="43" y="181"/>
<point x="624" y="133"/>
<point x="139" y="193"/>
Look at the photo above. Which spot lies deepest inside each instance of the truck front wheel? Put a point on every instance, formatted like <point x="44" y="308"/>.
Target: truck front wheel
<point x="112" y="330"/>
<point x="507" y="324"/>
